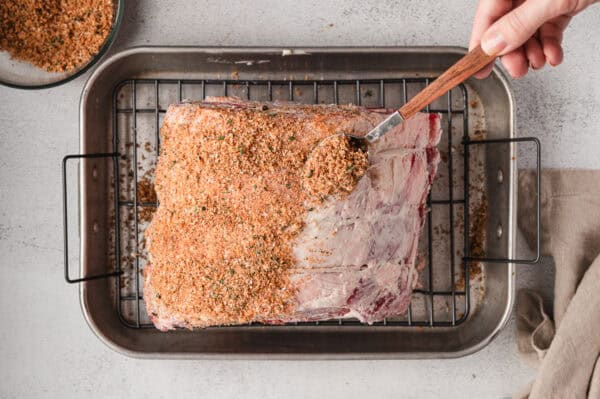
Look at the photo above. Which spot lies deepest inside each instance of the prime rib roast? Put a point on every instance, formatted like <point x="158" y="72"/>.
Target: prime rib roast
<point x="366" y="241"/>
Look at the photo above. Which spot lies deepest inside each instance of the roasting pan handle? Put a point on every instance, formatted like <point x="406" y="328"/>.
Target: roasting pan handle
<point x="538" y="200"/>
<point x="65" y="220"/>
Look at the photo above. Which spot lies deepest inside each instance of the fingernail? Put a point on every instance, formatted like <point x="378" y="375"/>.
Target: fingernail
<point x="535" y="68"/>
<point x="493" y="42"/>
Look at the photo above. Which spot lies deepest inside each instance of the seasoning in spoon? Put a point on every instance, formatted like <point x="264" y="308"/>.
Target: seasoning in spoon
<point x="334" y="168"/>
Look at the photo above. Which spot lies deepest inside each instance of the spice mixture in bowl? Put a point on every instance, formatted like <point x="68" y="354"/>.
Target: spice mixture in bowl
<point x="44" y="43"/>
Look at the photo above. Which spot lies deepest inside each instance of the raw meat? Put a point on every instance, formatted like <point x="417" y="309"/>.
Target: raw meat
<point x="356" y="256"/>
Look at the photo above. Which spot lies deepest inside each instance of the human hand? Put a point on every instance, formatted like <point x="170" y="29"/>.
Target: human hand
<point x="525" y="33"/>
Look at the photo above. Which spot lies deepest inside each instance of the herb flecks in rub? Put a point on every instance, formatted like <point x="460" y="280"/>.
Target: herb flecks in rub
<point x="230" y="186"/>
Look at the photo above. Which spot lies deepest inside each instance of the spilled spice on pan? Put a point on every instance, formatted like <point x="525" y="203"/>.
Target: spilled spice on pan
<point x="477" y="238"/>
<point x="145" y="190"/>
<point x="146" y="195"/>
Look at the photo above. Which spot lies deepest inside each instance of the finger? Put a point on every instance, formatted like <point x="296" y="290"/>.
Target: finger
<point x="555" y="27"/>
<point x="507" y="6"/>
<point x="534" y="53"/>
<point x="571" y="8"/>
<point x="485" y="72"/>
<point x="488" y="12"/>
<point x="553" y="51"/>
<point x="516" y="63"/>
<point x="551" y="36"/>
<point x="515" y="28"/>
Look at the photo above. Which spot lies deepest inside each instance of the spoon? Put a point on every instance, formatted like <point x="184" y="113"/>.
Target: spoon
<point x="464" y="68"/>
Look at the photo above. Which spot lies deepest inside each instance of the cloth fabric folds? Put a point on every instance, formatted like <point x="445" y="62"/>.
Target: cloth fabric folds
<point x="564" y="348"/>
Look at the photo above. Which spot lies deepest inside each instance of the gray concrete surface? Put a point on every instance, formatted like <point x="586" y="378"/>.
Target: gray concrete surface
<point x="46" y="348"/>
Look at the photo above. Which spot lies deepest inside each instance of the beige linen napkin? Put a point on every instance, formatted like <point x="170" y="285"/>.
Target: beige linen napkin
<point x="566" y="350"/>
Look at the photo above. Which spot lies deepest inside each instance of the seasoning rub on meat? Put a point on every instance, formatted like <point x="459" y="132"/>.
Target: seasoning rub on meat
<point x="242" y="234"/>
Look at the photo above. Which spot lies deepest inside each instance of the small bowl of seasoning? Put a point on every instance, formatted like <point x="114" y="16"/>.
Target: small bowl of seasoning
<point x="45" y="43"/>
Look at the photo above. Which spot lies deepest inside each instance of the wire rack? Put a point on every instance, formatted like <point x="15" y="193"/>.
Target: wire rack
<point x="139" y="106"/>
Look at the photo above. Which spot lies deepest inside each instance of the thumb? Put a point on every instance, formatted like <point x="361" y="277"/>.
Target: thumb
<point x="516" y="27"/>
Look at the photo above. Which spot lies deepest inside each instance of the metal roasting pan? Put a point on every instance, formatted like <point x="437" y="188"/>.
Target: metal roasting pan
<point x="330" y="341"/>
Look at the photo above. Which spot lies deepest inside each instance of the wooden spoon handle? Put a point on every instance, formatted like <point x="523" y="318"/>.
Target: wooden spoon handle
<point x="464" y="68"/>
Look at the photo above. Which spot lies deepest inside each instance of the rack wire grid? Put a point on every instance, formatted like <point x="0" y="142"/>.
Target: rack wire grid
<point x="139" y="105"/>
